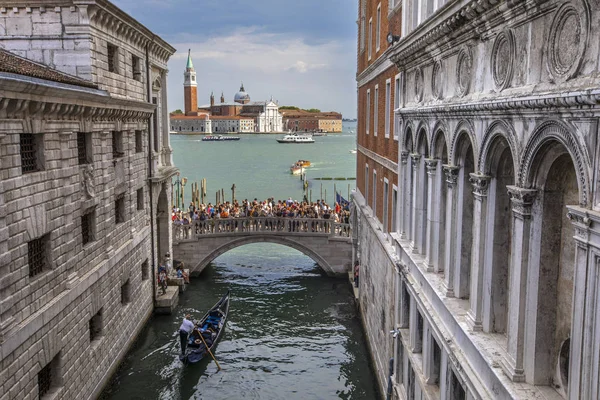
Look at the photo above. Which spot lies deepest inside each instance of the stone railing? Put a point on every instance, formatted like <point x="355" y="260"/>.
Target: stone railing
<point x="260" y="225"/>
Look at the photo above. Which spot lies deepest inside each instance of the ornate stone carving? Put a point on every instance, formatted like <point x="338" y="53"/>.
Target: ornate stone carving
<point x="480" y="183"/>
<point x="567" y="41"/>
<point x="437" y="82"/>
<point x="451" y="173"/>
<point x="522" y="200"/>
<point x="463" y="71"/>
<point x="88" y="181"/>
<point x="415" y="157"/>
<point x="431" y="165"/>
<point x="418" y="77"/>
<point x="582" y="223"/>
<point x="404" y="157"/>
<point x="502" y="60"/>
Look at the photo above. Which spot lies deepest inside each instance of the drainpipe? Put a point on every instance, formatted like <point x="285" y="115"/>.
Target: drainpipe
<point x="150" y="129"/>
<point x="391" y="371"/>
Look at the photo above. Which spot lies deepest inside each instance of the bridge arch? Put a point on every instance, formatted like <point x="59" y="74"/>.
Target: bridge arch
<point x="285" y="241"/>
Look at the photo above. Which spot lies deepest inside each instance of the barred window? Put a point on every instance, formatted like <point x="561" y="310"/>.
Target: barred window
<point x="29" y="153"/>
<point x="84" y="147"/>
<point x="45" y="380"/>
<point x="95" y="325"/>
<point x="136" y="68"/>
<point x="140" y="199"/>
<point x="126" y="292"/>
<point x="117" y="144"/>
<point x="139" y="146"/>
<point x="37" y="255"/>
<point x="87" y="227"/>
<point x="120" y="209"/>
<point x="145" y="270"/>
<point x="113" y="57"/>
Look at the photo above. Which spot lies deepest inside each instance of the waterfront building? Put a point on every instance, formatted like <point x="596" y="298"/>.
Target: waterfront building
<point x="488" y="273"/>
<point x="241" y="115"/>
<point x="304" y="121"/>
<point x="84" y="192"/>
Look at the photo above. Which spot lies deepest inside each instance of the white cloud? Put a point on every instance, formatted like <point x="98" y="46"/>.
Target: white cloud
<point x="290" y="69"/>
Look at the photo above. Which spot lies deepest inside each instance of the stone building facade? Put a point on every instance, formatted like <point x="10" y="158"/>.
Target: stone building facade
<point x="85" y="169"/>
<point x="488" y="279"/>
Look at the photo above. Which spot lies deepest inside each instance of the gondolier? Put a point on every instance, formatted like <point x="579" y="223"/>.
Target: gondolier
<point x="184" y="331"/>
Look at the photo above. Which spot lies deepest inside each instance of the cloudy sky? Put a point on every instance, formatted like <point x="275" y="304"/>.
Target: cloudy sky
<point x="300" y="52"/>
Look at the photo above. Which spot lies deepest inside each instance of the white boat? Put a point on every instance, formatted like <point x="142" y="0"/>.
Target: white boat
<point x="295" y="138"/>
<point x="353" y="151"/>
<point x="319" y="134"/>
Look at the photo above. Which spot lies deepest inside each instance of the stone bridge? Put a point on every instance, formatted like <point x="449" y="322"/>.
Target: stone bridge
<point x="326" y="242"/>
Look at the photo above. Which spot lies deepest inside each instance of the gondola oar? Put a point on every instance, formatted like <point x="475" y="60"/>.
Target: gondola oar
<point x="210" y="352"/>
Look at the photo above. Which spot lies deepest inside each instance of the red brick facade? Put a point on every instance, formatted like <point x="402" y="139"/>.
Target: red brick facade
<point x="371" y="124"/>
<point x="190" y="100"/>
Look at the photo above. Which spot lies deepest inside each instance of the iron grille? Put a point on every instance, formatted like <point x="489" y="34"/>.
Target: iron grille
<point x="117" y="145"/>
<point x="111" y="52"/>
<point x="120" y="209"/>
<point x="81" y="148"/>
<point x="138" y="142"/>
<point x="95" y="326"/>
<point x="28" y="153"/>
<point x="45" y="380"/>
<point x="36" y="251"/>
<point x="86" y="228"/>
<point x="140" y="199"/>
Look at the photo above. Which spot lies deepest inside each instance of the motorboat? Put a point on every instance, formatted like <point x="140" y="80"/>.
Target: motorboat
<point x="353" y="151"/>
<point x="298" y="167"/>
<point x="319" y="134"/>
<point x="295" y="138"/>
<point x="219" y="138"/>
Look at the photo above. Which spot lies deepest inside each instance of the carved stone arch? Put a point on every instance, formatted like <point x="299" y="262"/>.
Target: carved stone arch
<point x="156" y="85"/>
<point x="567" y="136"/>
<point x="466" y="127"/>
<point x="440" y="128"/>
<point x="495" y="130"/>
<point x="408" y="133"/>
<point x="422" y="127"/>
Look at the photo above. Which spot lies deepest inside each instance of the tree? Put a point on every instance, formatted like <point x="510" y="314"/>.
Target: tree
<point x="288" y="108"/>
<point x="313" y="110"/>
<point x="178" y="111"/>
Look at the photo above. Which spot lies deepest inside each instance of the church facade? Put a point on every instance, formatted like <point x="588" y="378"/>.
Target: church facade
<point x="240" y="115"/>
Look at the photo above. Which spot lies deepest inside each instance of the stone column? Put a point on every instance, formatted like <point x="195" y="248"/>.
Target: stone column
<point x="428" y="365"/>
<point x="451" y="173"/>
<point x="405" y="195"/>
<point x="585" y="327"/>
<point x="416" y="342"/>
<point x="444" y="368"/>
<point x="480" y="190"/>
<point x="433" y="213"/>
<point x="417" y="195"/>
<point x="522" y="200"/>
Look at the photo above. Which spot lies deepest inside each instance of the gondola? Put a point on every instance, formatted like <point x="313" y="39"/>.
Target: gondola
<point x="211" y="326"/>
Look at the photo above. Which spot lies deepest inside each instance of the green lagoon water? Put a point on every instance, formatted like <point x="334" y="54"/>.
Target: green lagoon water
<point x="293" y="333"/>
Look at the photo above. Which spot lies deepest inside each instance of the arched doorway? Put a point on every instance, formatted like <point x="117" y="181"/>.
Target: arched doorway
<point x="163" y="222"/>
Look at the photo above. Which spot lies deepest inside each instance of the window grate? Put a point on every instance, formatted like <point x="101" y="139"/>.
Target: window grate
<point x="140" y="199"/>
<point x="86" y="228"/>
<point x="138" y="142"/>
<point x="45" y="380"/>
<point x="81" y="148"/>
<point x="120" y="209"/>
<point x="28" y="153"/>
<point x="36" y="251"/>
<point x="95" y="326"/>
<point x="117" y="144"/>
<point x="112" y="55"/>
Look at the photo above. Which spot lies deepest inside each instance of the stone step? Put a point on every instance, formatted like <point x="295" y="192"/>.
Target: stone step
<point x="166" y="303"/>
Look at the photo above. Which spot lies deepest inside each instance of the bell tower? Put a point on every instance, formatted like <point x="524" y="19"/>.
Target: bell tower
<point x="190" y="88"/>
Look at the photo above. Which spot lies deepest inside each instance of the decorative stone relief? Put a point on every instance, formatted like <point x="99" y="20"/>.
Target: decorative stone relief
<point x="431" y="165"/>
<point x="463" y="71"/>
<point x="88" y="181"/>
<point x="415" y="159"/>
<point x="480" y="184"/>
<point x="418" y="74"/>
<point x="451" y="173"/>
<point x="567" y="41"/>
<point x="582" y="223"/>
<point x="404" y="157"/>
<point x="503" y="57"/>
<point x="437" y="80"/>
<point x="522" y="200"/>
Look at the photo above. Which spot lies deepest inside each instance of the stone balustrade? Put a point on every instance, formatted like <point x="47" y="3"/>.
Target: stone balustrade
<point x="261" y="225"/>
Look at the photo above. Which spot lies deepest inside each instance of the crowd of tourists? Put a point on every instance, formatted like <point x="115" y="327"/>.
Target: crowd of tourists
<point x="269" y="208"/>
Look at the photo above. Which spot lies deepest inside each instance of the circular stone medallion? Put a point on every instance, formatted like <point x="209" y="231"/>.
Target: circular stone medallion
<point x="567" y="41"/>
<point x="503" y="59"/>
<point x="436" y="80"/>
<point x="463" y="71"/>
<point x="418" y="84"/>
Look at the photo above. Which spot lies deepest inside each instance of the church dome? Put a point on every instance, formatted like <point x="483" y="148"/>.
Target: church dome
<point x="241" y="96"/>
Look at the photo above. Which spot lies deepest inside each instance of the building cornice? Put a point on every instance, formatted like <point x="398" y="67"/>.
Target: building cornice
<point x="26" y="97"/>
<point x="385" y="162"/>
<point x="584" y="100"/>
<point x="458" y="21"/>
<point x="372" y="71"/>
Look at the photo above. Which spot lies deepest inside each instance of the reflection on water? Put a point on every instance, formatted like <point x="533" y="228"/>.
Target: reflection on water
<point x="292" y="333"/>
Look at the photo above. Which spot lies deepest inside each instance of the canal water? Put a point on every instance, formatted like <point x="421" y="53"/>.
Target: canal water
<point x="293" y="333"/>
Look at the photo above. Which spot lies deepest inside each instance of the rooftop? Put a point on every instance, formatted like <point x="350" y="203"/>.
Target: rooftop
<point x="14" y="64"/>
